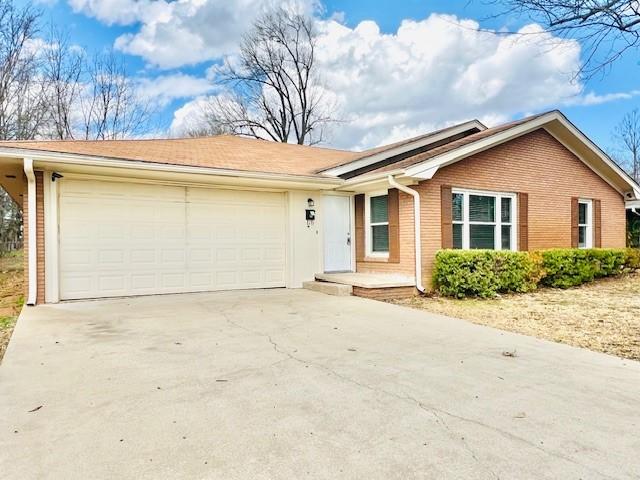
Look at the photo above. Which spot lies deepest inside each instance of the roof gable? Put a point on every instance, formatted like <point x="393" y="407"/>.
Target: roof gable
<point x="424" y="165"/>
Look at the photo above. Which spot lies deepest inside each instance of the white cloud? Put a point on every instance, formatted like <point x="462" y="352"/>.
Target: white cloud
<point x="439" y="71"/>
<point x="188" y="116"/>
<point x="596" y="99"/>
<point x="125" y="12"/>
<point x="165" y="88"/>
<point x="172" y="34"/>
<point x="436" y="72"/>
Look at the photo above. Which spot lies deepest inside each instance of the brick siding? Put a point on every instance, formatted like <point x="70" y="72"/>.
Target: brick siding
<point x="39" y="239"/>
<point x="385" y="293"/>
<point x="536" y="164"/>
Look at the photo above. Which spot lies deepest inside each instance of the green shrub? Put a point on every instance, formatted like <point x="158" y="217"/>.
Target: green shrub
<point x="484" y="273"/>
<point x="570" y="267"/>
<point x="632" y="259"/>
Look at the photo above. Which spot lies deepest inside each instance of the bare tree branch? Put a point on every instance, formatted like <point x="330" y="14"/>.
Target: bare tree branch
<point x="110" y="106"/>
<point x="605" y="28"/>
<point x="627" y="135"/>
<point x="275" y="90"/>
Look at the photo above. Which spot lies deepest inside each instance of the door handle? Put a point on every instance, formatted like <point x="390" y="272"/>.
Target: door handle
<point x="348" y="238"/>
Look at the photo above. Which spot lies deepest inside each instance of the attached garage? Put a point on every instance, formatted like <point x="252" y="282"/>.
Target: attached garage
<point x="120" y="239"/>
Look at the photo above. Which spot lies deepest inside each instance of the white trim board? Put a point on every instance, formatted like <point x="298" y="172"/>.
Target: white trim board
<point x="543" y="121"/>
<point x="419" y="142"/>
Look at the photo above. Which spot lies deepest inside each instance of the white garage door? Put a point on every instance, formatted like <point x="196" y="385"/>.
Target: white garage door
<point x="119" y="239"/>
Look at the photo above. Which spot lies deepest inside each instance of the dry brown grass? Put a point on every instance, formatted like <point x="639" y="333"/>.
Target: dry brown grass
<point x="11" y="295"/>
<point x="602" y="316"/>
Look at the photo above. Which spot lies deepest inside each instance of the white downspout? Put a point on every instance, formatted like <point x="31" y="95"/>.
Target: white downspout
<point x="32" y="289"/>
<point x="416" y="224"/>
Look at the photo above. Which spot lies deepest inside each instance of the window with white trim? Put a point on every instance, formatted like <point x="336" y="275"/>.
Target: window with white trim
<point x="483" y="220"/>
<point x="377" y="215"/>
<point x="585" y="224"/>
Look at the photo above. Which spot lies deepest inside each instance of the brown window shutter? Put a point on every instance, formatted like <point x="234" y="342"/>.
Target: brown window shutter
<point x="393" y="206"/>
<point x="359" y="221"/>
<point x="574" y="222"/>
<point x="445" y="213"/>
<point x="523" y="221"/>
<point x="597" y="222"/>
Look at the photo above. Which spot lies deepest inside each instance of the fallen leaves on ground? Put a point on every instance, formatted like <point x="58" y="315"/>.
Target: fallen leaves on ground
<point x="603" y="316"/>
<point x="11" y="295"/>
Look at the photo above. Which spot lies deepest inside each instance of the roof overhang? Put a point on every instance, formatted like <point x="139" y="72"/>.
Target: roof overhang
<point x="404" y="148"/>
<point x="559" y="127"/>
<point x="633" y="205"/>
<point x="128" y="169"/>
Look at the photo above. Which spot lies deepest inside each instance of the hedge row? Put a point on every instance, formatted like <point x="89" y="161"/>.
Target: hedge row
<point x="485" y="273"/>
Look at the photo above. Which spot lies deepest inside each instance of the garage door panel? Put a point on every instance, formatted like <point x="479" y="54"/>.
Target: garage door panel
<point x="130" y="239"/>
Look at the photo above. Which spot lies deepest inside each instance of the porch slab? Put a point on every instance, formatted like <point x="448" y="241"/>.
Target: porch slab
<point x="368" y="280"/>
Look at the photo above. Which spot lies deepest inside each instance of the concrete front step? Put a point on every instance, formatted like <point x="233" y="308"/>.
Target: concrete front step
<point x="328" y="288"/>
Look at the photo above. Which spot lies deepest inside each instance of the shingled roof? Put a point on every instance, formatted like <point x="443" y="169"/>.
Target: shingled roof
<point x="421" y="157"/>
<point x="222" y="152"/>
<point x="245" y="154"/>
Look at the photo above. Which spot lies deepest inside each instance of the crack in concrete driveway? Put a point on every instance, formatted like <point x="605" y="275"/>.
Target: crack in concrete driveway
<point x="282" y="383"/>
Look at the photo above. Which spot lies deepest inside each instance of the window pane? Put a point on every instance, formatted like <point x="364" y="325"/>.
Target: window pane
<point x="482" y="236"/>
<point x="379" y="210"/>
<point x="506" y="237"/>
<point x="482" y="208"/>
<point x="380" y="238"/>
<point x="582" y="213"/>
<point x="457" y="235"/>
<point x="582" y="237"/>
<point x="505" y="212"/>
<point x="457" y="207"/>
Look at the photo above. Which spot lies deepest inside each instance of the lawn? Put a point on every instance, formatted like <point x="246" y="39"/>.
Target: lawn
<point x="602" y="316"/>
<point x="11" y="295"/>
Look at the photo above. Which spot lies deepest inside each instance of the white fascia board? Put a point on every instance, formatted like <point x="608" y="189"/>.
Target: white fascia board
<point x="603" y="156"/>
<point x="426" y="174"/>
<point x="633" y="204"/>
<point x="400" y="149"/>
<point x="363" y="180"/>
<point x="94" y="161"/>
<point x="502" y="137"/>
<point x="475" y="147"/>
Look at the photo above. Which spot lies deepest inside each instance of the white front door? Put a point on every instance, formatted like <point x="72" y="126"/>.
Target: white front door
<point x="337" y="233"/>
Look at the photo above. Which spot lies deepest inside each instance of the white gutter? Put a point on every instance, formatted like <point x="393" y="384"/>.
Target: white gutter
<point x="416" y="224"/>
<point x="32" y="289"/>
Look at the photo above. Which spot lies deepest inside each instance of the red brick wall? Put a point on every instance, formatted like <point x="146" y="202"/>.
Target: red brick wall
<point x="39" y="235"/>
<point x="385" y="293"/>
<point x="407" y="244"/>
<point x="536" y="164"/>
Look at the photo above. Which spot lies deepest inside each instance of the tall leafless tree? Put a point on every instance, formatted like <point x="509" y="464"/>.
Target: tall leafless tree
<point x="275" y="91"/>
<point x="63" y="68"/>
<point x="627" y="135"/>
<point x="22" y="102"/>
<point x="111" y="107"/>
<point x="49" y="90"/>
<point x="605" y="28"/>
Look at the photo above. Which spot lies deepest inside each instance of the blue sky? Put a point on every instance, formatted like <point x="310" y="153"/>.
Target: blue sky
<point x="375" y="109"/>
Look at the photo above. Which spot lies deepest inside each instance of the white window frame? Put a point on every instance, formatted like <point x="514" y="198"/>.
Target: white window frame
<point x="368" y="224"/>
<point x="588" y="235"/>
<point x="466" y="230"/>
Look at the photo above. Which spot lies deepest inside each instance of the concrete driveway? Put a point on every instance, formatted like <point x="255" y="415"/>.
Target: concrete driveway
<point x="294" y="384"/>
